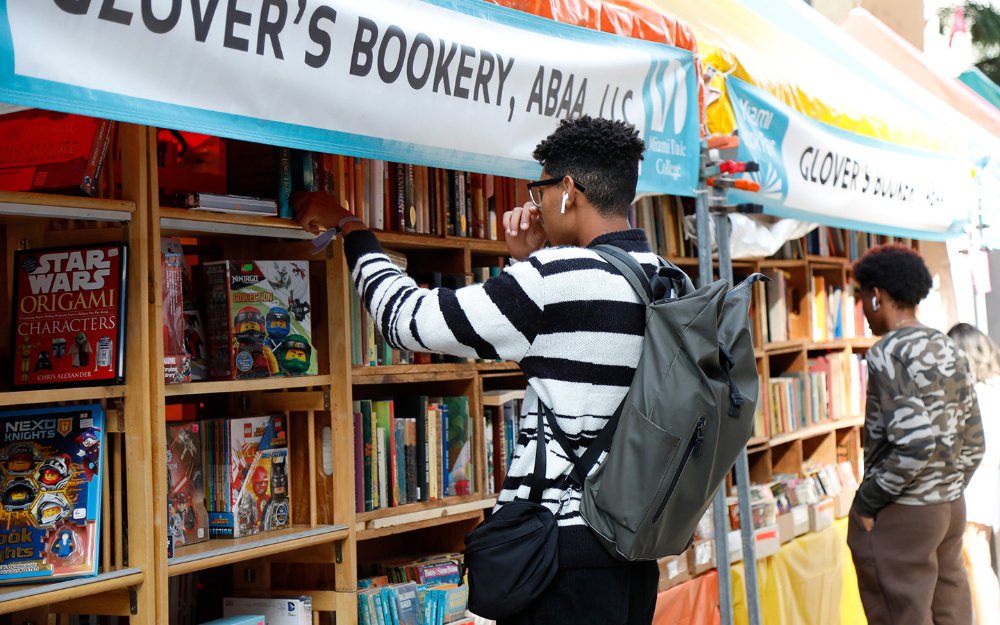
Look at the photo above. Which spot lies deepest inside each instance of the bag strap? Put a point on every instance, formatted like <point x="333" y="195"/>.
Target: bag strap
<point x="538" y="476"/>
<point x="629" y="268"/>
<point x="582" y="465"/>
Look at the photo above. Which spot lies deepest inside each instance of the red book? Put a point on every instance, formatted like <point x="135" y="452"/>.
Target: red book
<point x="69" y="316"/>
<point x="45" y="151"/>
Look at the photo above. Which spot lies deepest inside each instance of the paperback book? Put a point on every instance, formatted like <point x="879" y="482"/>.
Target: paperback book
<point x="248" y="476"/>
<point x="50" y="494"/>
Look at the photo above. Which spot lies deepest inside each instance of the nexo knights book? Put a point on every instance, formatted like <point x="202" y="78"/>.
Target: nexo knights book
<point x="69" y="316"/>
<point x="256" y="495"/>
<point x="187" y="517"/>
<point x="50" y="492"/>
<point x="258" y="319"/>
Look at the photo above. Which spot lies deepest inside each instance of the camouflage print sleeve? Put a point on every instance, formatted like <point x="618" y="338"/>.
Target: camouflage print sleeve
<point x="909" y="428"/>
<point x="973" y="440"/>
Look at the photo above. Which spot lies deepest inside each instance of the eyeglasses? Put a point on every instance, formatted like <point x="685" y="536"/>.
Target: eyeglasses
<point x="535" y="191"/>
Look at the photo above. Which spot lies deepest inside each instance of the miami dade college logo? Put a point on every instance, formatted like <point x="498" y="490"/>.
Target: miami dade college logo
<point x="668" y="92"/>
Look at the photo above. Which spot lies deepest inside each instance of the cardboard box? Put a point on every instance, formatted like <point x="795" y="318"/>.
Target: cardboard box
<point x="821" y="514"/>
<point x="842" y="502"/>
<point x="673" y="570"/>
<point x="735" y="542"/>
<point x="801" y="516"/>
<point x="701" y="556"/>
<point x="767" y="541"/>
<point x="786" y="527"/>
<point x="282" y="611"/>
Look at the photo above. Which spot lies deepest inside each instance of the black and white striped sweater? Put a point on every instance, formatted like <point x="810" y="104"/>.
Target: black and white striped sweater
<point x="569" y="318"/>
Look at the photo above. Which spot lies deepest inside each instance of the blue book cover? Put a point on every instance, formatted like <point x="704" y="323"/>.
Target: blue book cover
<point x="408" y="604"/>
<point x="379" y="611"/>
<point x="389" y="605"/>
<point x="50" y="499"/>
<point x="444" y="449"/>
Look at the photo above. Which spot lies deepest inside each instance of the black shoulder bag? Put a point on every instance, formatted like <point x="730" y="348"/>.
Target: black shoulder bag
<point x="513" y="555"/>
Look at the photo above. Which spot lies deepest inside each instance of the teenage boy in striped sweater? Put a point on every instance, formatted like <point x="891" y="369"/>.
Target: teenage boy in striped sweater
<point x="569" y="318"/>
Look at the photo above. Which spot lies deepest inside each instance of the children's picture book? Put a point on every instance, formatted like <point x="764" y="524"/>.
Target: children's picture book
<point x="259" y="319"/>
<point x="176" y="361"/>
<point x="69" y="316"/>
<point x="248" y="476"/>
<point x="187" y="518"/>
<point x="50" y="494"/>
<point x="185" y="322"/>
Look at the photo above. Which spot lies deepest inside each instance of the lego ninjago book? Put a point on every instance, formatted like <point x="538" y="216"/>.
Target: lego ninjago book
<point x="50" y="492"/>
<point x="258" y="319"/>
<point x="69" y="316"/>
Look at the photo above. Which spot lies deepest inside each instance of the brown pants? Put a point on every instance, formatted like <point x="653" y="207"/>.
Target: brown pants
<point x="910" y="568"/>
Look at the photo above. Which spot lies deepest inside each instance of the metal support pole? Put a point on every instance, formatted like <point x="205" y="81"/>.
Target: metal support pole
<point x="720" y="514"/>
<point x="722" y="229"/>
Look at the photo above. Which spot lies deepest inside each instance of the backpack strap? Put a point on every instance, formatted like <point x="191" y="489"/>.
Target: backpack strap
<point x="629" y="268"/>
<point x="582" y="465"/>
<point x="539" y="473"/>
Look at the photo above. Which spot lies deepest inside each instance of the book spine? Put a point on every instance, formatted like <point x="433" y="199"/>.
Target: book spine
<point x="95" y="161"/>
<point x="284" y="183"/>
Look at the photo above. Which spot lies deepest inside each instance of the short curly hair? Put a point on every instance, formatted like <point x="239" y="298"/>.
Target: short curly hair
<point x="601" y="154"/>
<point x="897" y="270"/>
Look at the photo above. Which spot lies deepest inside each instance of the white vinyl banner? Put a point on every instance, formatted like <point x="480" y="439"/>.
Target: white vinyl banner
<point x="816" y="172"/>
<point x="452" y="83"/>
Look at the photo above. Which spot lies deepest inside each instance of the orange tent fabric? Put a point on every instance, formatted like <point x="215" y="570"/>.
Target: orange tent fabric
<point x="695" y="602"/>
<point x="629" y="18"/>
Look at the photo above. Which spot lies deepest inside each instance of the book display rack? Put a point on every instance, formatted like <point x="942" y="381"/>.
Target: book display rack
<point x="387" y="456"/>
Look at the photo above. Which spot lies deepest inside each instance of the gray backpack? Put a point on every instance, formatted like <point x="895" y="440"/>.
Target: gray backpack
<point x="686" y="417"/>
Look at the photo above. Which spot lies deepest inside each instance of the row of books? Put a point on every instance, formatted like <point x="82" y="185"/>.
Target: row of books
<point x="257" y="318"/>
<point x="397" y="197"/>
<point x="414" y="604"/>
<point x="227" y="478"/>
<point x="832" y="387"/>
<point x="501" y="418"/>
<point x="787" y="491"/>
<point x="414" y="591"/>
<point x="369" y="348"/>
<point x="662" y="217"/>
<point x="410" y="449"/>
<point x="837" y="242"/>
<point x="835" y="312"/>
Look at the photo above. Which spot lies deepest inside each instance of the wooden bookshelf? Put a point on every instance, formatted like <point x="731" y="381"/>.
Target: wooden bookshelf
<point x="245" y="386"/>
<point x="223" y="551"/>
<point x="26" y="597"/>
<point x="328" y="530"/>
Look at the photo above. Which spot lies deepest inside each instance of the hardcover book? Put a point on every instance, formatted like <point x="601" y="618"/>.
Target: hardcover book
<point x="56" y="152"/>
<point x="249" y="472"/>
<point x="69" y="316"/>
<point x="258" y="319"/>
<point x="187" y="518"/>
<point x="50" y="494"/>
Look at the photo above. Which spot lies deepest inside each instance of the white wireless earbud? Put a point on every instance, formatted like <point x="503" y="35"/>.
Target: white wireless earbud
<point x="562" y="209"/>
<point x="875" y="305"/>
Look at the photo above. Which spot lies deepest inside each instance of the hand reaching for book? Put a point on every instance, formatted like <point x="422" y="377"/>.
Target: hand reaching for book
<point x="524" y="230"/>
<point x="316" y="210"/>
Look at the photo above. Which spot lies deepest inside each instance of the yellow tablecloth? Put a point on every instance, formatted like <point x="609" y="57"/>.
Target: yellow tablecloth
<point x="811" y="581"/>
